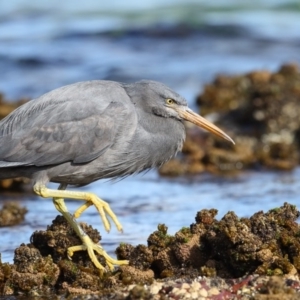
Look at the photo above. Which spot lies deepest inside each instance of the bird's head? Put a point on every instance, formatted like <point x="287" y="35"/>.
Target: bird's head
<point x="156" y="98"/>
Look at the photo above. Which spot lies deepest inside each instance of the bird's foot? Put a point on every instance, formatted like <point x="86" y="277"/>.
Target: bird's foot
<point x="91" y="247"/>
<point x="89" y="198"/>
<point x="103" y="209"/>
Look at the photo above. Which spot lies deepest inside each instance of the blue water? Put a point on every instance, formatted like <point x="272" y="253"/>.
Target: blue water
<point x="47" y="44"/>
<point x="141" y="202"/>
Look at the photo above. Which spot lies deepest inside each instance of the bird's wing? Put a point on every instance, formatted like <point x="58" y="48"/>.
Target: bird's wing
<point x="64" y="125"/>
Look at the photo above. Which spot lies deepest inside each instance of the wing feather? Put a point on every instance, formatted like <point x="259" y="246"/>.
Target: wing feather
<point x="57" y="128"/>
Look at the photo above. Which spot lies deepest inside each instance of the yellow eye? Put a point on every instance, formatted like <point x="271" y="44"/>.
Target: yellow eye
<point x="170" y="101"/>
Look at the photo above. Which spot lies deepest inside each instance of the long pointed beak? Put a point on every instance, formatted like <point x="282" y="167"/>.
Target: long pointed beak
<point x="188" y="115"/>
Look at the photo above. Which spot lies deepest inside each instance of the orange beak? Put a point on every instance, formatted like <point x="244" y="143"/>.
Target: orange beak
<point x="188" y="115"/>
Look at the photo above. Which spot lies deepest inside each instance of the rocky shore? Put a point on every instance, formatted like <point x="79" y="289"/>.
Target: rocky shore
<point x="214" y="258"/>
<point x="233" y="258"/>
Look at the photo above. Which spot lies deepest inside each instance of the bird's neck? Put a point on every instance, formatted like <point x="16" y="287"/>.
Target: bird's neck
<point x="159" y="139"/>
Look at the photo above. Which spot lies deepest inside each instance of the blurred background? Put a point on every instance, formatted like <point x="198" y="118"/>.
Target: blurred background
<point x="185" y="44"/>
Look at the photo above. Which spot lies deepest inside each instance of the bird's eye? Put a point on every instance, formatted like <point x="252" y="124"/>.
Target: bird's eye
<point x="170" y="101"/>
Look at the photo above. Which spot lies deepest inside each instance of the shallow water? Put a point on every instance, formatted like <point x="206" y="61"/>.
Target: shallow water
<point x="44" y="45"/>
<point x="141" y="202"/>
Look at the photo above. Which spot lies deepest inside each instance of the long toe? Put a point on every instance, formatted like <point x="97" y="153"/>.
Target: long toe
<point x="92" y="248"/>
<point x="103" y="209"/>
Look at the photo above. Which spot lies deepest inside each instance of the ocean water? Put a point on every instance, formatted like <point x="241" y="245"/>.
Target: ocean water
<point x="185" y="44"/>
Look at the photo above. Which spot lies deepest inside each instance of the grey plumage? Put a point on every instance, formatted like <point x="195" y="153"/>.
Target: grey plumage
<point x="90" y="130"/>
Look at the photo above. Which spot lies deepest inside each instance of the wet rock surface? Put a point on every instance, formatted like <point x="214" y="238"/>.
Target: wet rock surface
<point x="264" y="244"/>
<point x="11" y="214"/>
<point x="256" y="258"/>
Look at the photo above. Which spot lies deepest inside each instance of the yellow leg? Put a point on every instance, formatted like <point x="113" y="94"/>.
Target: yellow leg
<point x="87" y="244"/>
<point x="91" y="199"/>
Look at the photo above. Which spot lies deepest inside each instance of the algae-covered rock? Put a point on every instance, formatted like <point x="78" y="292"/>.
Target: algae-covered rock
<point x="266" y="244"/>
<point x="11" y="214"/>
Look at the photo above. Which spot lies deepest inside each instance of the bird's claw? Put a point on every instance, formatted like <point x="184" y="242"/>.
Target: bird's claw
<point x="104" y="210"/>
<point x="91" y="247"/>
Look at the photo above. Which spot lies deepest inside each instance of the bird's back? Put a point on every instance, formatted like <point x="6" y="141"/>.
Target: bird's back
<point x="75" y="123"/>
